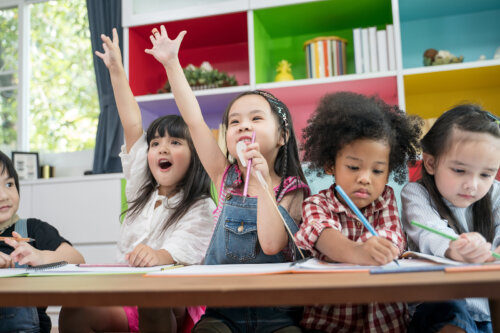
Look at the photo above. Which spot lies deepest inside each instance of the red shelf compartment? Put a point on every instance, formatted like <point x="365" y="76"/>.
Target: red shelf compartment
<point x="222" y="40"/>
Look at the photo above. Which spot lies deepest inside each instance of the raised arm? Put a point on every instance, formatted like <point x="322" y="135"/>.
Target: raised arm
<point x="128" y="109"/>
<point x="166" y="50"/>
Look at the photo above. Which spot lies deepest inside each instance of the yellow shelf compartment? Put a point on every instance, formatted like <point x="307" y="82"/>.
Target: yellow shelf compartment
<point x="429" y="94"/>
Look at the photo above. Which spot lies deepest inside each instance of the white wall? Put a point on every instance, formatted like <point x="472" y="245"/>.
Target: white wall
<point x="84" y="209"/>
<point x="69" y="164"/>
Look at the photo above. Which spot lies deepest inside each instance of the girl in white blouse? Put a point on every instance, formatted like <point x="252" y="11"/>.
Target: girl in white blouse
<point x="169" y="219"/>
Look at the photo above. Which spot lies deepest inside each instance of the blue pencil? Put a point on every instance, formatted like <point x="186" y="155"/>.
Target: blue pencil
<point x="358" y="213"/>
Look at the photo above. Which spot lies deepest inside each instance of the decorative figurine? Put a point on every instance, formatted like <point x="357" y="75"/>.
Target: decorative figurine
<point x="284" y="71"/>
<point x="434" y="57"/>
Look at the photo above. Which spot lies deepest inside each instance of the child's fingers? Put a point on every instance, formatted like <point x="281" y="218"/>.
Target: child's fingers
<point x="153" y="40"/>
<point x="458" y="244"/>
<point x="99" y="54"/>
<point x="105" y="48"/>
<point x="6" y="261"/>
<point x="132" y="257"/>
<point x="163" y="31"/>
<point x="477" y="254"/>
<point x="106" y="40"/>
<point x="180" y="36"/>
<point x="115" y="36"/>
<point x="381" y="250"/>
<point x="12" y="243"/>
<point x="27" y="260"/>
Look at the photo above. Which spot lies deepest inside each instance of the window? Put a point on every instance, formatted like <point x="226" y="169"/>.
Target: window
<point x="60" y="93"/>
<point x="8" y="77"/>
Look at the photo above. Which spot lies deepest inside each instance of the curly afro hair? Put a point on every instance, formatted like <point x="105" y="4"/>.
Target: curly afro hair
<point x="344" y="117"/>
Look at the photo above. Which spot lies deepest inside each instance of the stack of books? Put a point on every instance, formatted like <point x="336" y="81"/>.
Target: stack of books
<point x="325" y="56"/>
<point x="374" y="50"/>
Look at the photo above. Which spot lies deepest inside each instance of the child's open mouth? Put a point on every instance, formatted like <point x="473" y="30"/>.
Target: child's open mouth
<point x="164" y="165"/>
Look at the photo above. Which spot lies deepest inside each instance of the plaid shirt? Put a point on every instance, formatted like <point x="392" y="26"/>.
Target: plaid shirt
<point x="324" y="210"/>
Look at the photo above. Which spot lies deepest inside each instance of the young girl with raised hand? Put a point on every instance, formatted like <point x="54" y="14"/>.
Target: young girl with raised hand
<point x="47" y="247"/>
<point x="169" y="219"/>
<point x="249" y="229"/>
<point x="359" y="140"/>
<point x="457" y="195"/>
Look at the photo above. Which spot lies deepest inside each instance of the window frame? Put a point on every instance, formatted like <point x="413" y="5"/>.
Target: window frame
<point x="24" y="68"/>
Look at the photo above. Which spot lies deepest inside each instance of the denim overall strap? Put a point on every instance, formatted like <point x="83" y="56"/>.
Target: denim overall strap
<point x="19" y="319"/>
<point x="21" y="227"/>
<point x="235" y="241"/>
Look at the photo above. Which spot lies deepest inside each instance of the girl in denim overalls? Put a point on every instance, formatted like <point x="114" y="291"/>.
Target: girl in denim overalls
<point x="249" y="229"/>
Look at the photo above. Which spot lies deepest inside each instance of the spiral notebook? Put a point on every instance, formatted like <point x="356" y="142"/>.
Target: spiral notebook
<point x="63" y="268"/>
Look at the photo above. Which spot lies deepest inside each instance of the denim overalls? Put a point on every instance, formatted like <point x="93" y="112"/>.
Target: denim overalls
<point x="234" y="241"/>
<point x="19" y="319"/>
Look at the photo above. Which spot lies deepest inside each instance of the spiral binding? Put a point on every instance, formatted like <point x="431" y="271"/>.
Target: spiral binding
<point x="48" y="266"/>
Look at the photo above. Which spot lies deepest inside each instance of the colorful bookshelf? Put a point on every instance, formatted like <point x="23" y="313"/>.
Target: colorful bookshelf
<point x="247" y="38"/>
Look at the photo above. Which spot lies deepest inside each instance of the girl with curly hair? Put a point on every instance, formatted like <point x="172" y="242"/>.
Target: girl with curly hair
<point x="359" y="140"/>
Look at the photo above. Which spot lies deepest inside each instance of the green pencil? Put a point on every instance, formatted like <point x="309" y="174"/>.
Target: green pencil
<point x="442" y="234"/>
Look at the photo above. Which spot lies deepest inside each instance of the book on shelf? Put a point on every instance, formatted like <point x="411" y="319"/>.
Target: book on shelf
<point x="358" y="50"/>
<point x="382" y="58"/>
<point x="365" y="48"/>
<point x="374" y="50"/>
<point x="372" y="41"/>
<point x="391" y="49"/>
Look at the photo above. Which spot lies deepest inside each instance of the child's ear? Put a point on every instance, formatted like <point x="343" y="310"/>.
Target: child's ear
<point x="330" y="170"/>
<point x="281" y="141"/>
<point x="429" y="163"/>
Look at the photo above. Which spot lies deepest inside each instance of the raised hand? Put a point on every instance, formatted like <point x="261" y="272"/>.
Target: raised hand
<point x="111" y="56"/>
<point x="469" y="247"/>
<point x="163" y="48"/>
<point x="24" y="253"/>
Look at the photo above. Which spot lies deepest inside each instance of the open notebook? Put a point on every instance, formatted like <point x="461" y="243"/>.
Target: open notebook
<point x="63" y="268"/>
<point x="410" y="262"/>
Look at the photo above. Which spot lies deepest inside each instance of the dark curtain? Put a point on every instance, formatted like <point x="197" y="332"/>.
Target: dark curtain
<point x="103" y="17"/>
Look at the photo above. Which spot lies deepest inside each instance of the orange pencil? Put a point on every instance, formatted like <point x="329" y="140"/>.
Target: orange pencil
<point x="19" y="239"/>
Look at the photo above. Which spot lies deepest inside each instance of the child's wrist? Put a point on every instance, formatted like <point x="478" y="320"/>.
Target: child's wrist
<point x="171" y="63"/>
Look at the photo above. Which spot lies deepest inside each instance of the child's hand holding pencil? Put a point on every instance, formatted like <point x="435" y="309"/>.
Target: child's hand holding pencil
<point x="468" y="247"/>
<point x="17" y="239"/>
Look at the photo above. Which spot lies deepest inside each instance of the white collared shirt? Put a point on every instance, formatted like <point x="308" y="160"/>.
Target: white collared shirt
<point x="187" y="240"/>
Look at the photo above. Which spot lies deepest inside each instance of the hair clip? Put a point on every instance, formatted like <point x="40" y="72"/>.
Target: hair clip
<point x="277" y="103"/>
<point x="494" y="118"/>
<point x="282" y="114"/>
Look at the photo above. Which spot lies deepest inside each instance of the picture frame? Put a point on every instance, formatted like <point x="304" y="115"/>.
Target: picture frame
<point x="26" y="165"/>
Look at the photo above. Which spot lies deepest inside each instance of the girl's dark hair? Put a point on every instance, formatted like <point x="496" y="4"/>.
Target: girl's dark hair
<point x="195" y="184"/>
<point x="287" y="161"/>
<point x="470" y="118"/>
<point x="344" y="117"/>
<point x="7" y="166"/>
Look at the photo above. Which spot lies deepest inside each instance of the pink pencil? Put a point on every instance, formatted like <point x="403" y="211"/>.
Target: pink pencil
<point x="249" y="166"/>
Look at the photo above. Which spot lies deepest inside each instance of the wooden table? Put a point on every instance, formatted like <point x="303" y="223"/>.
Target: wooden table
<point x="257" y="290"/>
